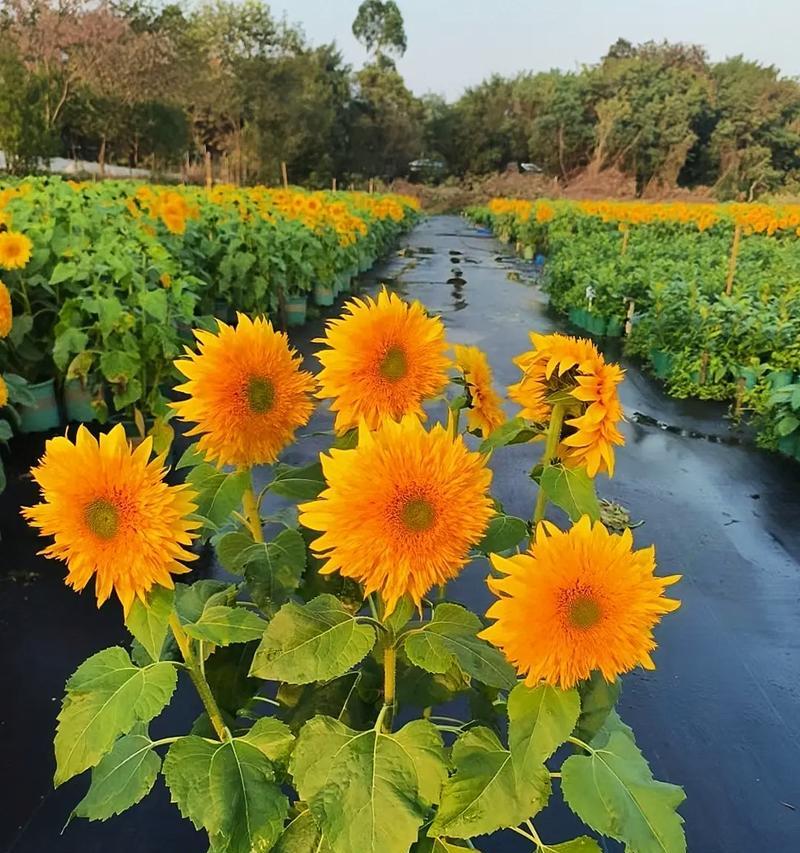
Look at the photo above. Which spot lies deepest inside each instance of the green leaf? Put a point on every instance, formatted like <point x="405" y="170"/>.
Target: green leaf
<point x="613" y="791"/>
<point x="229" y="547"/>
<point x="515" y="431"/>
<point x="191" y="601"/>
<point x="149" y="622"/>
<point x="451" y="636"/>
<point x="441" y="845"/>
<point x="218" y="493"/>
<point x="119" y="366"/>
<point x="423" y="744"/>
<point x="571" y="489"/>
<point x="584" y="844"/>
<point x="224" y="625"/>
<point x="273" y="738"/>
<point x="19" y="390"/>
<point x="361" y="787"/>
<point x="312" y="642"/>
<point x="5" y="431"/>
<point x="121" y="779"/>
<point x="63" y="271"/>
<point x="503" y="532"/>
<point x="298" y="483"/>
<point x="598" y="699"/>
<point x="154" y="303"/>
<point x="486" y="794"/>
<point x="71" y="340"/>
<point x="302" y="835"/>
<point x="105" y="697"/>
<point x="400" y="615"/>
<point x="540" y="718"/>
<point x="273" y="570"/>
<point x="191" y="458"/>
<point x="228" y="789"/>
<point x="227" y="672"/>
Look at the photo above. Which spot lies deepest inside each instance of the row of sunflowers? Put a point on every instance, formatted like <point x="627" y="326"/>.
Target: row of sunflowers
<point x="709" y="293"/>
<point x="334" y="671"/>
<point x="101" y="283"/>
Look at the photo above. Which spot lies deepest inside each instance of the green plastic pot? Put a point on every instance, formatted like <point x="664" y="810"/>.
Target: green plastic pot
<point x="662" y="363"/>
<point x="78" y="402"/>
<point x="324" y="295"/>
<point x="597" y="324"/>
<point x="296" y="308"/>
<point x="574" y="317"/>
<point x="43" y="414"/>
<point x="615" y="328"/>
<point x="344" y="283"/>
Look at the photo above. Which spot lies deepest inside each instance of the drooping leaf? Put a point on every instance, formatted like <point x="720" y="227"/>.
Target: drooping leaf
<point x="299" y="484"/>
<point x="400" y="615"/>
<point x="149" y="622"/>
<point x="273" y="570"/>
<point x="485" y="793"/>
<point x="192" y="600"/>
<point x="105" y="697"/>
<point x="224" y="625"/>
<point x="614" y="792"/>
<point x="504" y="532"/>
<point x="571" y="489"/>
<point x="540" y="718"/>
<point x="515" y="431"/>
<point x="451" y="636"/>
<point x="302" y="835"/>
<point x="598" y="699"/>
<point x="312" y="642"/>
<point x="228" y="789"/>
<point x="121" y="779"/>
<point x="361" y="787"/>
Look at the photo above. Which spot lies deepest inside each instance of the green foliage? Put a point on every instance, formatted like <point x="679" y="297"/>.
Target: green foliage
<point x="149" y="622"/>
<point x="572" y="489"/>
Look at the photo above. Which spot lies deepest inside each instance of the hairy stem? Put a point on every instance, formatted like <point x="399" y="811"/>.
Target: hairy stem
<point x="251" y="513"/>
<point x="553" y="437"/>
<point x="389" y="681"/>
<point x="198" y="679"/>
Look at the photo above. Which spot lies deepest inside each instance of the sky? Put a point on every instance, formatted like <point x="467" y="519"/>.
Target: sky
<point x="453" y="44"/>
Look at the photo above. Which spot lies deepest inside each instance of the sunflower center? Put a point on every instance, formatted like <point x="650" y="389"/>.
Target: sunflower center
<point x="102" y="518"/>
<point x="583" y="612"/>
<point x="393" y="366"/>
<point x="417" y="515"/>
<point x="260" y="394"/>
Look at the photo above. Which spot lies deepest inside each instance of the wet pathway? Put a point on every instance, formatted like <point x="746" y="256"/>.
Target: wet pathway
<point x="721" y="713"/>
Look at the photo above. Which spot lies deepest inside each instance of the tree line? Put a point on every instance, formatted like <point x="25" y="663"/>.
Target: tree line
<point x="240" y="90"/>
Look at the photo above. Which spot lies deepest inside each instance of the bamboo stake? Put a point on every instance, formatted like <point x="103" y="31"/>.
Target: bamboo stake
<point x="371" y="185"/>
<point x="284" y="174"/>
<point x="333" y="185"/>
<point x="209" y="171"/>
<point x="629" y="317"/>
<point x="737" y="236"/>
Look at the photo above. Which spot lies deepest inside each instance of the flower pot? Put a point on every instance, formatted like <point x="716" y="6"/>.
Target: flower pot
<point x="575" y="316"/>
<point x="323" y="294"/>
<point x="344" y="283"/>
<point x="78" y="402"/>
<point x="595" y="323"/>
<point x="662" y="363"/>
<point x="42" y="415"/>
<point x="296" y="309"/>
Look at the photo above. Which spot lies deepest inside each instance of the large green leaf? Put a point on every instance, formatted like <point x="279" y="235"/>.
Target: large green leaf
<point x="228" y="789"/>
<point x="105" y="697"/>
<point x="540" y="718"/>
<point x="218" y="493"/>
<point x="311" y="642"/>
<point x="224" y="625"/>
<point x="486" y="794"/>
<point x="302" y="835"/>
<point x="230" y="547"/>
<point x="423" y="744"/>
<point x="572" y="489"/>
<point x="451" y="637"/>
<point x="598" y="699"/>
<point x="299" y="484"/>
<point x="362" y="787"/>
<point x="613" y="791"/>
<point x="192" y="600"/>
<point x="149" y="622"/>
<point x="273" y="570"/>
<point x="504" y="532"/>
<point x="121" y="779"/>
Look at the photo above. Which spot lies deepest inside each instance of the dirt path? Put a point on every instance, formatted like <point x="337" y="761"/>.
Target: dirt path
<point x="720" y="713"/>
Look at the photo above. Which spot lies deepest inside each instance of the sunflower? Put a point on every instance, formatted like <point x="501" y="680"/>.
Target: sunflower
<point x="3" y="392"/>
<point x="384" y="358"/>
<point x="247" y="394"/>
<point x="578" y="601"/>
<point x="6" y="316"/>
<point x="15" y="250"/>
<point x="575" y="370"/>
<point x="485" y="413"/>
<point x="112" y="515"/>
<point x="401" y="510"/>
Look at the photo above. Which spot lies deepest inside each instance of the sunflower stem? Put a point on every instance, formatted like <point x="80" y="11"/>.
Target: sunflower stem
<point x="552" y="440"/>
<point x="250" y="507"/>
<point x="199" y="681"/>
<point x="389" y="681"/>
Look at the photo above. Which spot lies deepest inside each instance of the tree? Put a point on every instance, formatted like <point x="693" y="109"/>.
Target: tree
<point x="23" y="136"/>
<point x="379" y="27"/>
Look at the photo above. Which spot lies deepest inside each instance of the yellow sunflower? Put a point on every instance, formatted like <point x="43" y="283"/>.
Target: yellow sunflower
<point x="574" y="369"/>
<point x="6" y="316"/>
<point x="384" y="358"/>
<point x="247" y="394"/>
<point x="576" y="602"/>
<point x="15" y="250"/>
<point x="485" y="413"/>
<point x="3" y="392"/>
<point x="112" y="515"/>
<point x="401" y="510"/>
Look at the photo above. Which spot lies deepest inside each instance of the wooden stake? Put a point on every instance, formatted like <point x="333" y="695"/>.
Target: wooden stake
<point x="737" y="236"/>
<point x="371" y="185"/>
<point x="333" y="185"/>
<point x="284" y="174"/>
<point x="209" y="171"/>
<point x="629" y="317"/>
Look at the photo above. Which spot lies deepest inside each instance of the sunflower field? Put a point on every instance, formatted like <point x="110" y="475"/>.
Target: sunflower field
<point x="709" y="293"/>
<point x="349" y="703"/>
<point x="102" y="283"/>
